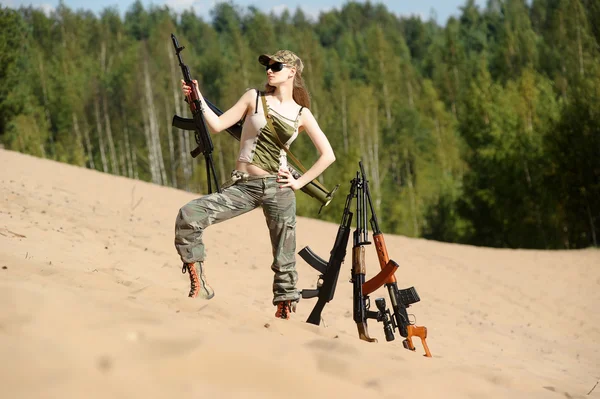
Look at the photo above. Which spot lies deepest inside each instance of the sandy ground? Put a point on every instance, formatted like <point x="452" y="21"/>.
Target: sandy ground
<point x="93" y="305"/>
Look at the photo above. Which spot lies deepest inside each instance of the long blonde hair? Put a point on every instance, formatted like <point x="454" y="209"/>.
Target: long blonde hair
<point x="299" y="94"/>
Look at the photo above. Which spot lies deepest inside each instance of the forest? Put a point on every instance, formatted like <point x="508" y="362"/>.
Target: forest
<point x="482" y="131"/>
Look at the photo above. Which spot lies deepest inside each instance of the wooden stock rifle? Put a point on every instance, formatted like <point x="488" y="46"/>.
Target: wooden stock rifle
<point x="401" y="299"/>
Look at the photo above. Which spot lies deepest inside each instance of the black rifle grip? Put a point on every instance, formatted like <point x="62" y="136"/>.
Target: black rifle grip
<point x="315" y="315"/>
<point x="306" y="294"/>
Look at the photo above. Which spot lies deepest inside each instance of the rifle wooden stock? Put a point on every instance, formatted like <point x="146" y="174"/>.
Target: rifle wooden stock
<point x="416" y="331"/>
<point x="359" y="270"/>
<point x="363" y="332"/>
<point x="406" y="329"/>
<point x="382" y="253"/>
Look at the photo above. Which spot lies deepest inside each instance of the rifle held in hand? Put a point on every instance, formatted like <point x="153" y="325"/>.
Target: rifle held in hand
<point x="197" y="123"/>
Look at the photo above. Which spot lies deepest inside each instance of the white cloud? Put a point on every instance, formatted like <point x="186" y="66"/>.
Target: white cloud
<point x="46" y="8"/>
<point x="181" y="4"/>
<point x="279" y="9"/>
<point x="310" y="11"/>
<point x="201" y="8"/>
<point x="313" y="13"/>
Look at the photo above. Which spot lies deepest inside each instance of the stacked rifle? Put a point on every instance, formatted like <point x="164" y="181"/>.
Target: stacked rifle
<point x="400" y="299"/>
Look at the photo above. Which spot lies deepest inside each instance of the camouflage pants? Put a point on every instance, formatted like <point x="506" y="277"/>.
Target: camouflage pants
<point x="246" y="194"/>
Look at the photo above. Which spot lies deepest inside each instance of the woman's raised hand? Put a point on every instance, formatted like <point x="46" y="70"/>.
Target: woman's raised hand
<point x="187" y="90"/>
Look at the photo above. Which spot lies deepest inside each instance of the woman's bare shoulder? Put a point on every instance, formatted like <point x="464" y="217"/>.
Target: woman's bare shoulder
<point x="250" y="92"/>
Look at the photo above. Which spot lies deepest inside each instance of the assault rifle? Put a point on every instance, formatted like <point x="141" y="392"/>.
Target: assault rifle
<point x="401" y="299"/>
<point x="197" y="123"/>
<point x="329" y="270"/>
<point x="360" y="301"/>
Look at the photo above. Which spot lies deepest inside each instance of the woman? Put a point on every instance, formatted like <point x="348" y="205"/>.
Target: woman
<point x="272" y="120"/>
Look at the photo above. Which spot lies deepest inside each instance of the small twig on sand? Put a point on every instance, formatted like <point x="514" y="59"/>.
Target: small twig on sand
<point x="136" y="205"/>
<point x="11" y="232"/>
<point x="594" y="387"/>
<point x="133" y="197"/>
<point x="16" y="234"/>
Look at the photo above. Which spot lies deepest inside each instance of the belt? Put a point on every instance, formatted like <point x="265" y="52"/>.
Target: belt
<point x="237" y="176"/>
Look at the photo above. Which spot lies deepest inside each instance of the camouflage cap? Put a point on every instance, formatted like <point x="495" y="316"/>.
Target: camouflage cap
<point x="283" y="56"/>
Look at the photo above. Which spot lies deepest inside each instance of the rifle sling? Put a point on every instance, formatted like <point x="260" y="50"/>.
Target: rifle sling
<point x="281" y="145"/>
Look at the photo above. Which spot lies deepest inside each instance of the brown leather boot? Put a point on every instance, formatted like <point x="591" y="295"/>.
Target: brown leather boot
<point x="198" y="284"/>
<point x="284" y="308"/>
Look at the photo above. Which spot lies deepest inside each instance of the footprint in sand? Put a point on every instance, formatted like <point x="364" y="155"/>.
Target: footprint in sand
<point x="330" y="364"/>
<point x="331" y="345"/>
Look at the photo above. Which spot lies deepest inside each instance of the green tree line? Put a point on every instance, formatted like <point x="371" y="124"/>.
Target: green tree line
<point x="484" y="131"/>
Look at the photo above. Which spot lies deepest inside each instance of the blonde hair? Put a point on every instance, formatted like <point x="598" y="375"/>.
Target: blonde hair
<point x="299" y="94"/>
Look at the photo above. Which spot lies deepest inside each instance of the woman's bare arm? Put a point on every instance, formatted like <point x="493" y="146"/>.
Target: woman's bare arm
<point x="326" y="155"/>
<point x="228" y="118"/>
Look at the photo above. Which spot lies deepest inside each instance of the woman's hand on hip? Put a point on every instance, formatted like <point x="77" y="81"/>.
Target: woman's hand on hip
<point x="285" y="177"/>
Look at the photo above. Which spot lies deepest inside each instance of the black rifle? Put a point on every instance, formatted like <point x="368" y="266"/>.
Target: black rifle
<point x="360" y="302"/>
<point x="401" y="298"/>
<point x="197" y="124"/>
<point x="329" y="270"/>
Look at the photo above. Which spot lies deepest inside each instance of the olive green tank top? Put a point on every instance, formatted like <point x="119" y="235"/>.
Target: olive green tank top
<point x="259" y="145"/>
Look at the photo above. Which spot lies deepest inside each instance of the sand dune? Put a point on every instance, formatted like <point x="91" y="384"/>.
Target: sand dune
<point x="94" y="305"/>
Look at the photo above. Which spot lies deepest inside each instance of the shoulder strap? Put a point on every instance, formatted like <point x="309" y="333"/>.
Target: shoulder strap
<point x="256" y="106"/>
<point x="281" y="145"/>
<point x="294" y="159"/>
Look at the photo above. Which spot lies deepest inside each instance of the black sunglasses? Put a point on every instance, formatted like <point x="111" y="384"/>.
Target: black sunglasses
<point x="275" y="67"/>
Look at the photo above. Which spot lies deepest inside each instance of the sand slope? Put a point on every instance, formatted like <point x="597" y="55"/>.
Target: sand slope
<point x="93" y="304"/>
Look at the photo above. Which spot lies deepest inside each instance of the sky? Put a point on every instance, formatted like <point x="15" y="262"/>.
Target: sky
<point x="424" y="8"/>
